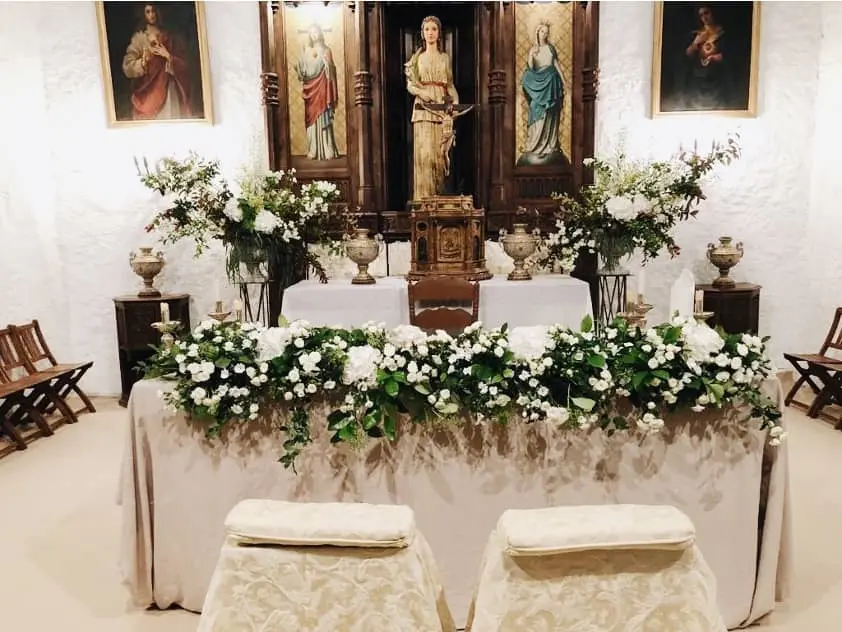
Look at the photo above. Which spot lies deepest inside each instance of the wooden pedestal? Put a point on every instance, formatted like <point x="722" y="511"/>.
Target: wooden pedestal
<point x="135" y="334"/>
<point x="736" y="309"/>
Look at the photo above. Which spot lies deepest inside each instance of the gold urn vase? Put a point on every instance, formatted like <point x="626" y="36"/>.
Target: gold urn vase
<point x="362" y="250"/>
<point x="147" y="265"/>
<point x="725" y="256"/>
<point x="519" y="245"/>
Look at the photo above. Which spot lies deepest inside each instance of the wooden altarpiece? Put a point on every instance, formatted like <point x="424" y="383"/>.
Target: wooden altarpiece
<point x="367" y="150"/>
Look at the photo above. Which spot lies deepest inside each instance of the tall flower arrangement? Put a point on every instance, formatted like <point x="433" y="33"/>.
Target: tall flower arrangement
<point x="633" y="205"/>
<point x="265" y="219"/>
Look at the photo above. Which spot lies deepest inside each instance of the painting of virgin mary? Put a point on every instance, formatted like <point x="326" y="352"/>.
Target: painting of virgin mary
<point x="543" y="88"/>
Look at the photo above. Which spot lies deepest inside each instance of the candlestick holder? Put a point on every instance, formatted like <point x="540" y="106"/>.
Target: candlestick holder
<point x="167" y="329"/>
<point x="219" y="314"/>
<point x="238" y="315"/>
<point x="702" y="316"/>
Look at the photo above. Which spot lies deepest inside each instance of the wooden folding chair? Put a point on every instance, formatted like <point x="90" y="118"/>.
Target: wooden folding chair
<point x="49" y="384"/>
<point x="448" y="296"/>
<point x="820" y="371"/>
<point x="22" y="399"/>
<point x="32" y="348"/>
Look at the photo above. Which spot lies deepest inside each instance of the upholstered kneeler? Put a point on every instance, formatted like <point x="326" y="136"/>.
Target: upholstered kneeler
<point x="324" y="567"/>
<point x="611" y="568"/>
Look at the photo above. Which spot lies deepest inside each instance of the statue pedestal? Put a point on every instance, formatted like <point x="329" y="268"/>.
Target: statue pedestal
<point x="448" y="238"/>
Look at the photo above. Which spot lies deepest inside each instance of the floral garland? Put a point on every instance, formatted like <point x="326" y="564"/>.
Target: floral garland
<point x="231" y="371"/>
<point x="632" y="205"/>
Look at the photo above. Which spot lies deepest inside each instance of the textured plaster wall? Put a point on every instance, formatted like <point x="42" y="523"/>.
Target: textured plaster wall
<point x="71" y="207"/>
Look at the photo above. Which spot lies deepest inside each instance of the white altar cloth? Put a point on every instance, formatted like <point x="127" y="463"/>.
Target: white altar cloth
<point x="547" y="299"/>
<point x="178" y="487"/>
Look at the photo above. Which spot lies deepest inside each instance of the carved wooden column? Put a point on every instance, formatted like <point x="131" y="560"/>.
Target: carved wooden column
<point x="363" y="101"/>
<point x="497" y="101"/>
<point x="269" y="78"/>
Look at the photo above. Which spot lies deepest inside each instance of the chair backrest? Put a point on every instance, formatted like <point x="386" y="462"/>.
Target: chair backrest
<point x="833" y="341"/>
<point x="31" y="345"/>
<point x="441" y="292"/>
<point x="5" y="378"/>
<point x="11" y="360"/>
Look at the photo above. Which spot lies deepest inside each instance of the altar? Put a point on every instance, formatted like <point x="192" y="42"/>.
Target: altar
<point x="177" y="487"/>
<point x="550" y="298"/>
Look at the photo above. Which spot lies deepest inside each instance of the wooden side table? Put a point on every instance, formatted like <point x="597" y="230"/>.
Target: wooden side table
<point x="736" y="309"/>
<point x="135" y="334"/>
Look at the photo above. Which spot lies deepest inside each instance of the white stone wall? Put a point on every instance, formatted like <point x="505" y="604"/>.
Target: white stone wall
<point x="71" y="207"/>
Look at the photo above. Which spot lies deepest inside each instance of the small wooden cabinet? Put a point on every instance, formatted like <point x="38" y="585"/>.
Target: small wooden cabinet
<point x="736" y="309"/>
<point x="135" y="335"/>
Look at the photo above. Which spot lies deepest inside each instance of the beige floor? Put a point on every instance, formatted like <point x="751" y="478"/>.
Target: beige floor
<point x="59" y="531"/>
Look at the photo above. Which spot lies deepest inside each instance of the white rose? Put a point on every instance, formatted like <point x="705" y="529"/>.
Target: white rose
<point x="620" y="208"/>
<point x="700" y="341"/>
<point x="361" y="365"/>
<point x="233" y="211"/>
<point x="404" y="336"/>
<point x="640" y="204"/>
<point x="266" y="222"/>
<point x="529" y="343"/>
<point x="272" y="343"/>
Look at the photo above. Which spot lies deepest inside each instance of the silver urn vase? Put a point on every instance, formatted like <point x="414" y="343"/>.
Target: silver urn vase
<point x="725" y="256"/>
<point x="147" y="265"/>
<point x="362" y="250"/>
<point x="519" y="245"/>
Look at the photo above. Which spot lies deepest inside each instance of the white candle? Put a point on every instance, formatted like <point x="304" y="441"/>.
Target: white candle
<point x="641" y="282"/>
<point x="238" y="305"/>
<point x="165" y="312"/>
<point x="700" y="301"/>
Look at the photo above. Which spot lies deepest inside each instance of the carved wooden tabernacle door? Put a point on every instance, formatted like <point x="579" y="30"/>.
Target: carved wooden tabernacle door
<point x="448" y="238"/>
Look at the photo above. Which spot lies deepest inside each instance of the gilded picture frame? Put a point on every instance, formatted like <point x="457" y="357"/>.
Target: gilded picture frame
<point x="155" y="63"/>
<point x="705" y="58"/>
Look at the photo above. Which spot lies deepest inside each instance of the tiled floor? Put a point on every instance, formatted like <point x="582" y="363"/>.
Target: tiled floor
<point x="60" y="529"/>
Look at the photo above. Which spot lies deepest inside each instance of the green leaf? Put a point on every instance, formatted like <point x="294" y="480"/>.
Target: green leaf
<point x="587" y="324"/>
<point x="583" y="402"/>
<point x="370" y="420"/>
<point x="422" y="388"/>
<point x="222" y="363"/>
<point x="716" y="391"/>
<point x="638" y="378"/>
<point x="346" y="433"/>
<point x="389" y="427"/>
<point x="400" y="377"/>
<point x="450" y="409"/>
<point x="661" y="374"/>
<point x="392" y="388"/>
<point x="596" y="360"/>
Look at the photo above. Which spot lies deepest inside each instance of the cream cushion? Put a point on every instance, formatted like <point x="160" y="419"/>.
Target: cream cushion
<point x="261" y="521"/>
<point x="566" y="529"/>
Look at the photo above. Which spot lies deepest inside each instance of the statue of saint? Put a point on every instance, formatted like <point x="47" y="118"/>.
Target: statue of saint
<point x="429" y="78"/>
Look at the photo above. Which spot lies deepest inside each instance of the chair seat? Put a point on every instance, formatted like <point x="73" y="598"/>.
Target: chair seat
<point x="814" y="358"/>
<point x="60" y="369"/>
<point x="23" y="383"/>
<point x="321" y="524"/>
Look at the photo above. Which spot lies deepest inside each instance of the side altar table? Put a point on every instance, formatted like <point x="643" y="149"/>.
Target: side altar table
<point x="548" y="299"/>
<point x="177" y="487"/>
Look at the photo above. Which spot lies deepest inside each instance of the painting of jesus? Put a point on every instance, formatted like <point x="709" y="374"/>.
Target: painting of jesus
<point x="154" y="61"/>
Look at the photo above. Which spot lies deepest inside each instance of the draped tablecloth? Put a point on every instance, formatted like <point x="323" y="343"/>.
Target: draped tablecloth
<point x="547" y="298"/>
<point x="177" y="487"/>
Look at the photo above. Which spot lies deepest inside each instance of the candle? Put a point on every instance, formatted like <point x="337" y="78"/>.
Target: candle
<point x="641" y="283"/>
<point x="165" y="312"/>
<point x="238" y="305"/>
<point x="700" y="302"/>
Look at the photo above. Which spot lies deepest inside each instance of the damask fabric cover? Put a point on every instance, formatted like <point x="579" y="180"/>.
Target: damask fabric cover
<point x="259" y="520"/>
<point x="178" y="486"/>
<point x="625" y="590"/>
<point x="565" y="529"/>
<point x="325" y="589"/>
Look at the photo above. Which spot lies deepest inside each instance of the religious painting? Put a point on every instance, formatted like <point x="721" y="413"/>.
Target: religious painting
<point x="315" y="52"/>
<point x="154" y="62"/>
<point x="705" y="58"/>
<point x="544" y="70"/>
